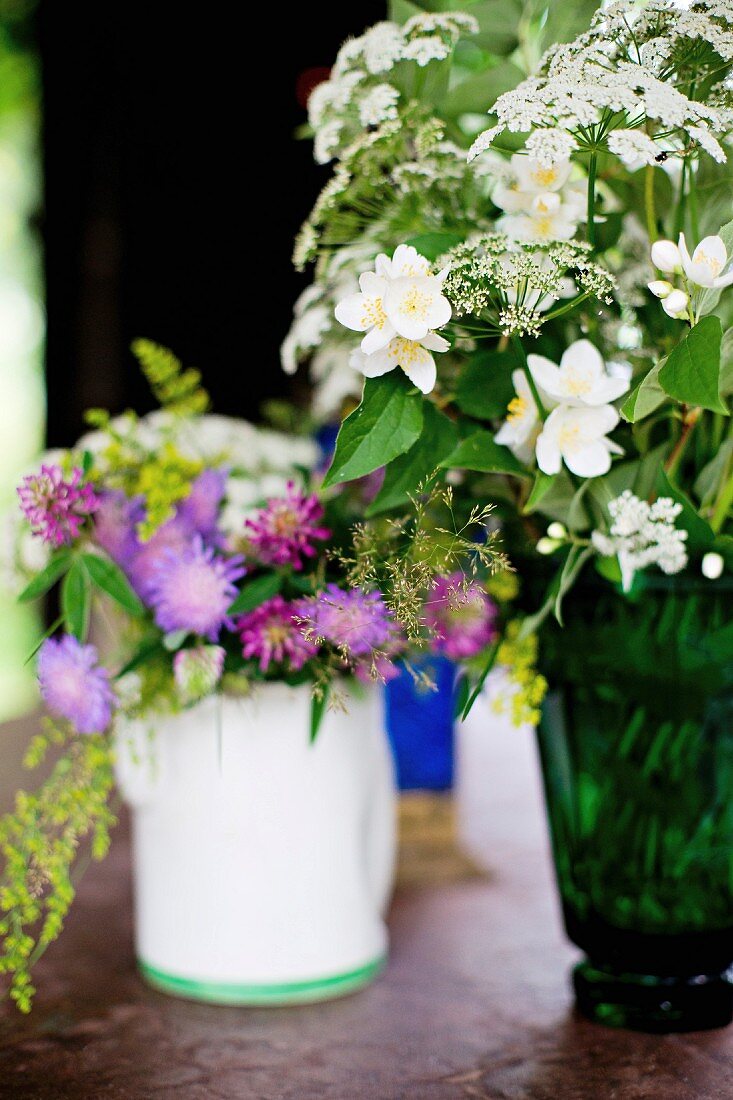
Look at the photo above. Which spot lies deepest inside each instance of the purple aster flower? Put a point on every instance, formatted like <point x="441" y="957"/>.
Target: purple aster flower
<point x="462" y="617"/>
<point x="73" y="684"/>
<point x="114" y="525"/>
<point x="274" y="634"/>
<point x="54" y="507"/>
<point x="283" y="532"/>
<point x="199" y="511"/>
<point x="192" y="589"/>
<point x="352" y="619"/>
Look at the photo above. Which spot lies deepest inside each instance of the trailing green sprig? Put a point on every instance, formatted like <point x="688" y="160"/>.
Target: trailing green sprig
<point x="40" y="841"/>
<point x="177" y="390"/>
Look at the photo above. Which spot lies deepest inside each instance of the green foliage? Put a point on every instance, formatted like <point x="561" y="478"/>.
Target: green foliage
<point x="40" y="841"/>
<point x="403" y="475"/>
<point x="108" y="577"/>
<point x="177" y="390"/>
<point x="691" y="373"/>
<point x="48" y="577"/>
<point x="255" y="592"/>
<point x="386" y="424"/>
<point x="164" y="480"/>
<point x="645" y="398"/>
<point x="485" y="386"/>
<point x="480" y="452"/>
<point x="76" y="598"/>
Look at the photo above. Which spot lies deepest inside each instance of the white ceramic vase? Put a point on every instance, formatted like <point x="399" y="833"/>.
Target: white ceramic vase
<point x="262" y="864"/>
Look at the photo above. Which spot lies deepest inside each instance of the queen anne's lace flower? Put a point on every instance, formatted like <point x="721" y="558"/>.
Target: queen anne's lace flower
<point x="626" y="73"/>
<point x="643" y="534"/>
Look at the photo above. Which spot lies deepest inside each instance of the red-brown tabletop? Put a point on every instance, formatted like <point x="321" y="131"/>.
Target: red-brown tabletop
<point x="475" y="1001"/>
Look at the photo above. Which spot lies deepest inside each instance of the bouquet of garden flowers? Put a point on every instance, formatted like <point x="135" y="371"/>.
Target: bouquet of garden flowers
<point x="202" y="555"/>
<point x="539" y="310"/>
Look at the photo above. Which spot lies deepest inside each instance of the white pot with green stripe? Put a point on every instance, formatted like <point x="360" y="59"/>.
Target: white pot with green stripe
<point x="262" y="863"/>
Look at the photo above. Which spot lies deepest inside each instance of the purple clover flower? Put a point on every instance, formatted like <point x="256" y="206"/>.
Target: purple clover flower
<point x="283" y="532"/>
<point x="461" y="616"/>
<point x="192" y="589"/>
<point x="352" y="619"/>
<point x="273" y="634"/>
<point x="54" y="507"/>
<point x="73" y="684"/>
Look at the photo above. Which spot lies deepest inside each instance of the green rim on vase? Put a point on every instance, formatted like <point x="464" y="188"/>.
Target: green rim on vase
<point x="243" y="993"/>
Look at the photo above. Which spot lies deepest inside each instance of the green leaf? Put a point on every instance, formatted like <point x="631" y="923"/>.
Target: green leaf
<point x="256" y="592"/>
<point x="110" y="578"/>
<point x="560" y="585"/>
<point x="386" y="424"/>
<point x="542" y="485"/>
<point x="404" y="473"/>
<point x="700" y="535"/>
<point x="46" y="579"/>
<point x="490" y="662"/>
<point x="691" y="373"/>
<point x="480" y="452"/>
<point x="461" y="693"/>
<point x="644" y="398"/>
<point x="432" y="245"/>
<point x="318" y="709"/>
<point x="76" y="593"/>
<point x="478" y="92"/>
<point x="485" y="386"/>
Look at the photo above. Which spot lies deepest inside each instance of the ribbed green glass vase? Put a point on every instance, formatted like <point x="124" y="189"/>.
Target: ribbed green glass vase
<point x="636" y="743"/>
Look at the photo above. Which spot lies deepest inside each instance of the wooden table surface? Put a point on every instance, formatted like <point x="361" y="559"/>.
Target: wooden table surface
<point x="475" y="1001"/>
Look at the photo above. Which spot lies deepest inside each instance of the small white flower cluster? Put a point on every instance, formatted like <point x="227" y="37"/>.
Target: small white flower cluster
<point x="578" y="395"/>
<point x="625" y="70"/>
<point x="707" y="269"/>
<point x="356" y="96"/>
<point x="539" y="203"/>
<point x="399" y="306"/>
<point x="518" y="282"/>
<point x="643" y="534"/>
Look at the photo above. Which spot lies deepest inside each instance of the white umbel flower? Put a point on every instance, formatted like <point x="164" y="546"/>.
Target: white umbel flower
<point x="643" y="534"/>
<point x="577" y="437"/>
<point x="580" y="379"/>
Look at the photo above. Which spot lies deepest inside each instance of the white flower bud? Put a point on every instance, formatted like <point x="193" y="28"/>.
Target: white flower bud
<point x="660" y="288"/>
<point x="666" y="256"/>
<point x="547" y="546"/>
<point x="675" y="304"/>
<point x="712" y="566"/>
<point x="557" y="531"/>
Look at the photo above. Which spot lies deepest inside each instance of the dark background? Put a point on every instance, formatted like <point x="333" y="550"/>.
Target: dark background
<point x="173" y="190"/>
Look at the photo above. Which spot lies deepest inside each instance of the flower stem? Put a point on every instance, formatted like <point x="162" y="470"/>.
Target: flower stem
<point x="651" y="214"/>
<point x="521" y="355"/>
<point x="592" y="168"/>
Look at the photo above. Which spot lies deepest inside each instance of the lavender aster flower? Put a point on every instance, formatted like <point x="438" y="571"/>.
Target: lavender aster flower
<point x="73" y="684"/>
<point x="114" y="525"/>
<point x="462" y="617"/>
<point x="273" y="633"/>
<point x="283" y="532"/>
<point x="352" y="619"/>
<point x="197" y="671"/>
<point x="192" y="589"/>
<point x="54" y="507"/>
<point x="200" y="509"/>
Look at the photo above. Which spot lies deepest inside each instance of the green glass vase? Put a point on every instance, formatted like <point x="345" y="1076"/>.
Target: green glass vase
<point x="636" y="743"/>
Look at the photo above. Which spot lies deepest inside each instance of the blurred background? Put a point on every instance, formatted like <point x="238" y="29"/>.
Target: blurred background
<point x="144" y="191"/>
